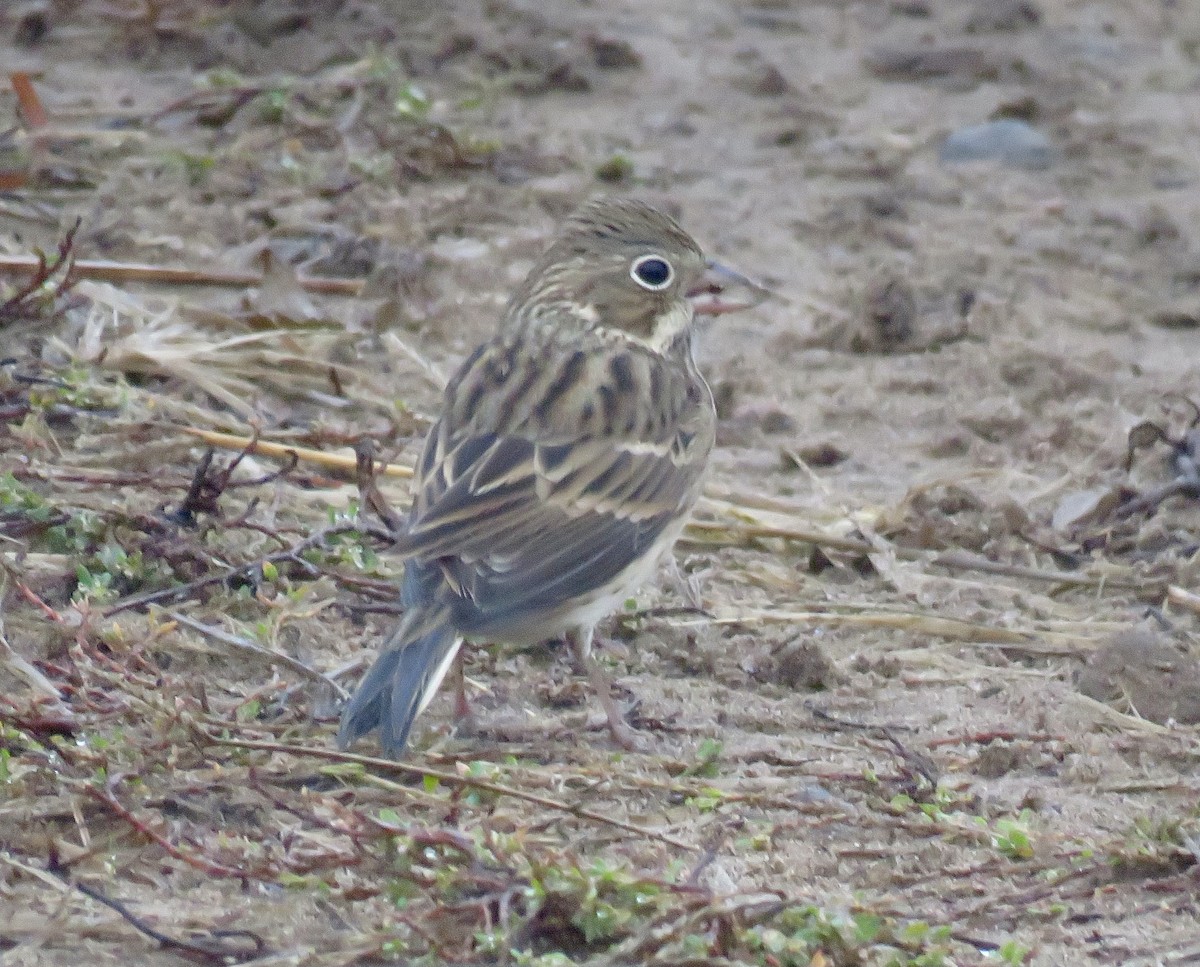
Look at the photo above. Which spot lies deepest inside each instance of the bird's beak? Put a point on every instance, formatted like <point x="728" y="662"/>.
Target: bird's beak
<point x="721" y="289"/>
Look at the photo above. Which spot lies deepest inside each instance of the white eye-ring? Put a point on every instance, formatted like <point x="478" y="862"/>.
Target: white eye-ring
<point x="652" y="272"/>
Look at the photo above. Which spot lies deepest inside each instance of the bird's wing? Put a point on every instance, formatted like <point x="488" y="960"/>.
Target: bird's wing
<point x="530" y="514"/>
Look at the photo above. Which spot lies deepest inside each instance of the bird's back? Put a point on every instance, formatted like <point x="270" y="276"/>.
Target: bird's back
<point x="543" y="483"/>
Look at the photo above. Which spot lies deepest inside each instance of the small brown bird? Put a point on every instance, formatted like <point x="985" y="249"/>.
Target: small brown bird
<point x="566" y="459"/>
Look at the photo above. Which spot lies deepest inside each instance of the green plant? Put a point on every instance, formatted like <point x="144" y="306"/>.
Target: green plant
<point x="1011" y="836"/>
<point x="95" y="587"/>
<point x="605" y="898"/>
<point x="410" y="101"/>
<point x="708" y="754"/>
<point x="1011" y="952"/>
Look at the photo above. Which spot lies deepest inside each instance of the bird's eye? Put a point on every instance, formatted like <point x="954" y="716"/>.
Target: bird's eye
<point x="652" y="272"/>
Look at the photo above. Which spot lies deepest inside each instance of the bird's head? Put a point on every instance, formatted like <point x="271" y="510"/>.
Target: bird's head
<point x="621" y="265"/>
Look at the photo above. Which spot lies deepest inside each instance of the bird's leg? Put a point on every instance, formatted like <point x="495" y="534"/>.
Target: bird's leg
<point x="463" y="715"/>
<point x="622" y="733"/>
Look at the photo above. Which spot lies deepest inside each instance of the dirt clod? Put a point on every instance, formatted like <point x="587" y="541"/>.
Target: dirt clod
<point x="1143" y="672"/>
<point x="1003" y="15"/>
<point x="889" y="315"/>
<point x="611" y="53"/>
<point x="802" y="665"/>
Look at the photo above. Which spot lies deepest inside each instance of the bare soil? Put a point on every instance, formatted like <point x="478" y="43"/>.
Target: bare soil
<point x="931" y="659"/>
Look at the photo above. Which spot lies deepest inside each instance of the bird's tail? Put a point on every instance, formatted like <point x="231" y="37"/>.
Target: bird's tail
<point x="405" y="676"/>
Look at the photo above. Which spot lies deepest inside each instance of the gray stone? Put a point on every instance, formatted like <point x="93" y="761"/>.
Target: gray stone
<point x="1009" y="141"/>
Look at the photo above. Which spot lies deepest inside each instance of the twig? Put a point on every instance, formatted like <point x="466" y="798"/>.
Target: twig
<point x="369" y="491"/>
<point x="806" y="535"/>
<point x="243" y="644"/>
<point x="822" y="716"/>
<point x="746" y="910"/>
<point x="961" y="560"/>
<point x="205" y="866"/>
<point x="215" y="952"/>
<point x="955" y="629"/>
<point x="206" y="488"/>
<point x="719" y="500"/>
<point x="199" y="497"/>
<point x="107" y="271"/>
<point x="28" y="594"/>
<point x="1151" y="499"/>
<point x="995" y="735"/>
<point x="202" y="101"/>
<point x="917" y="762"/>
<point x="331" y="461"/>
<point x="451" y="778"/>
<point x="99" y="478"/>
<point x="43" y="270"/>
<point x="191" y="587"/>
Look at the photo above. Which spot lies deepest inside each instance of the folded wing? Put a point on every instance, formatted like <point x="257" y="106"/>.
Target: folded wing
<point x="521" y="528"/>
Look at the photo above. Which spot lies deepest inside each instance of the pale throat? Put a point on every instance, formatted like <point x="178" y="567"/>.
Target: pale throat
<point x="671" y="327"/>
<point x="670" y="332"/>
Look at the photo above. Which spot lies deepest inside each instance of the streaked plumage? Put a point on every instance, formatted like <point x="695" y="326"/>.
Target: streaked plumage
<point x="566" y="459"/>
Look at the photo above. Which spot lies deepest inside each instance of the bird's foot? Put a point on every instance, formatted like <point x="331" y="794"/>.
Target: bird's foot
<point x="622" y="732"/>
<point x="626" y="736"/>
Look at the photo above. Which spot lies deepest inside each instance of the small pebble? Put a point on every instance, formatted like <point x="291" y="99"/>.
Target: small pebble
<point x="776" y="421"/>
<point x="611" y="54"/>
<point x="764" y="80"/>
<point x="1003" y="15"/>
<point x="889" y="316"/>
<point x="33" y="22"/>
<point x="961" y="64"/>
<point x="1180" y="314"/>
<point x="1011" y="142"/>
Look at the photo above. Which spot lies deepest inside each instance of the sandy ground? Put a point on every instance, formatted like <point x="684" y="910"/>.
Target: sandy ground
<point x="972" y="706"/>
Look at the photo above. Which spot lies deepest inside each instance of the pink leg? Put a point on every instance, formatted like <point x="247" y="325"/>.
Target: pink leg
<point x="622" y="733"/>
<point x="462" y="707"/>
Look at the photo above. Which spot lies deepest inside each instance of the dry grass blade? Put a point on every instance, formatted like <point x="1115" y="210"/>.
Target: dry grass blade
<point x="430" y="370"/>
<point x="868" y="616"/>
<point x="105" y="271"/>
<point x="128" y="334"/>
<point x="754" y="519"/>
<point x="1116" y="718"/>
<point x="1183" y="598"/>
<point x="739" y="525"/>
<point x="282" y="451"/>
<point x="453" y="779"/>
<point x="20" y="665"/>
<point x="32" y="112"/>
<point x="250" y="647"/>
<point x="962" y="561"/>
